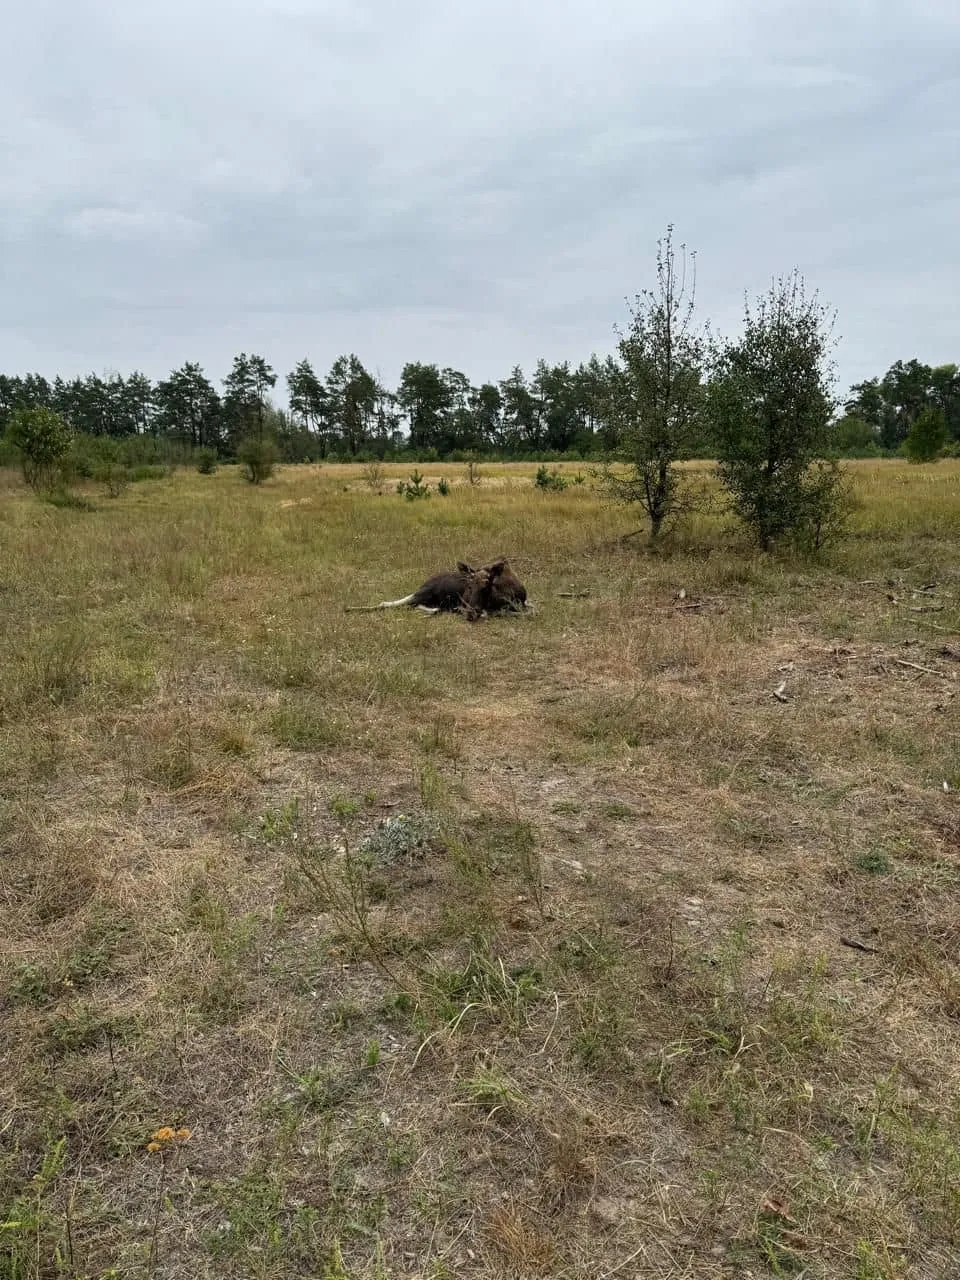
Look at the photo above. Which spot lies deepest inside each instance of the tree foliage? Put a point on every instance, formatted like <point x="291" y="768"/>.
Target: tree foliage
<point x="893" y="403"/>
<point x="42" y="439"/>
<point x="655" y="391"/>
<point x="771" y="406"/>
<point x="927" y="435"/>
<point x="607" y="406"/>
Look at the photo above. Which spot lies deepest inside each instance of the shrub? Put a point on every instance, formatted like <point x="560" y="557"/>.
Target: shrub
<point x="770" y="404"/>
<point x="442" y="487"/>
<point x="373" y="475"/>
<point x="927" y="436"/>
<point x="149" y="471"/>
<point x="549" y="479"/>
<point x="206" y="461"/>
<point x="61" y="496"/>
<point x="258" y="457"/>
<point x="414" y="487"/>
<point x="43" y="439"/>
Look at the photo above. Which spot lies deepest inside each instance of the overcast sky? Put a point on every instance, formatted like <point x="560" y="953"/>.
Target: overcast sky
<point x="472" y="184"/>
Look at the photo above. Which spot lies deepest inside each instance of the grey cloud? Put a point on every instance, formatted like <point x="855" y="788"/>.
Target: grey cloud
<point x="475" y="185"/>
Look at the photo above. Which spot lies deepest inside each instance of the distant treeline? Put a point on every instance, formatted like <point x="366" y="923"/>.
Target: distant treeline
<point x="434" y="413"/>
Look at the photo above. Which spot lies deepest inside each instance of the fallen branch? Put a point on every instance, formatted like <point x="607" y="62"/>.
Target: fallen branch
<point x="859" y="946"/>
<point x="915" y="666"/>
<point x="573" y="595"/>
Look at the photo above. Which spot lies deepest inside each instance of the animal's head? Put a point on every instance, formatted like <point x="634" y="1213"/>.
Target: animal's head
<point x="494" y="588"/>
<point x="508" y="586"/>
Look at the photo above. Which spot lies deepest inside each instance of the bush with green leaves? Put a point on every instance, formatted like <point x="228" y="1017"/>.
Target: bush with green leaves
<point x="414" y="487"/>
<point x="927" y="436"/>
<point x="258" y="457"/>
<point x="549" y="480"/>
<point x="42" y="439"/>
<point x="206" y="461"/>
<point x="771" y="408"/>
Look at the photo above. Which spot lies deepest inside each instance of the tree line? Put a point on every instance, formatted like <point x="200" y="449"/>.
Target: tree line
<point x="436" y="413"/>
<point x="348" y="414"/>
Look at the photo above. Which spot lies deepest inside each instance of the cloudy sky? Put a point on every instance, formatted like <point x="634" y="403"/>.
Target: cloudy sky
<point x="472" y="184"/>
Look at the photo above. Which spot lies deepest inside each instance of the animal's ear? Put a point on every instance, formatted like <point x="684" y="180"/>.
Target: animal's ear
<point x="463" y="567"/>
<point x="496" y="569"/>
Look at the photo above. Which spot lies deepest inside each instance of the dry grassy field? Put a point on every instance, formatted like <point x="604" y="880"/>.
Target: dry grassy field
<point x="652" y="971"/>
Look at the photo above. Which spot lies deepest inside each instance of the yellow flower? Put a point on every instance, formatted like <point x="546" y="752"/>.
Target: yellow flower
<point x="165" y="1134"/>
<point x="183" y="1134"/>
<point x="154" y="1146"/>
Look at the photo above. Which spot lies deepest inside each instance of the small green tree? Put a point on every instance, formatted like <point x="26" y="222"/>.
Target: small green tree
<point x="771" y="407"/>
<point x="927" y="435"/>
<point x="853" y="437"/>
<point x="258" y="457"/>
<point x="549" y="480"/>
<point x="655" y="390"/>
<point x="43" y="441"/>
<point x="414" y="488"/>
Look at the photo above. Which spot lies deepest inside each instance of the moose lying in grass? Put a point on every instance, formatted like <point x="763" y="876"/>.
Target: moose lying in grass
<point x="493" y="588"/>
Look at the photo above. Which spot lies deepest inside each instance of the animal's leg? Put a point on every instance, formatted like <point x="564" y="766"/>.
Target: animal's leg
<point x="423" y="609"/>
<point x="395" y="604"/>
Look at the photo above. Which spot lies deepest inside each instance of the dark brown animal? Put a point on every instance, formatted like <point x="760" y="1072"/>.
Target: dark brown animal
<point x="493" y="588"/>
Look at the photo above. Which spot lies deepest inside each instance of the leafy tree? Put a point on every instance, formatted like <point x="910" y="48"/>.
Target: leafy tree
<point x="458" y="431"/>
<point x="555" y="391"/>
<point x="245" y="401"/>
<point x="43" y="440"/>
<point x="295" y="443"/>
<point x="593" y="382"/>
<point x="310" y="404"/>
<point x="137" y="408"/>
<point x="423" y="397"/>
<point x="868" y="403"/>
<point x="927" y="436"/>
<point x="906" y="390"/>
<point x="854" y="437"/>
<point x="188" y="408"/>
<point x="771" y="405"/>
<point x="486" y="410"/>
<point x="385" y="431"/>
<point x="353" y="395"/>
<point x="655" y="394"/>
<point x="945" y="392"/>
<point x="519" y="414"/>
<point x="258" y="457"/>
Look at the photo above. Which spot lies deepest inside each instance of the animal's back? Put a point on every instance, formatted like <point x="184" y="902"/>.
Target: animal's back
<point x="442" y="591"/>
